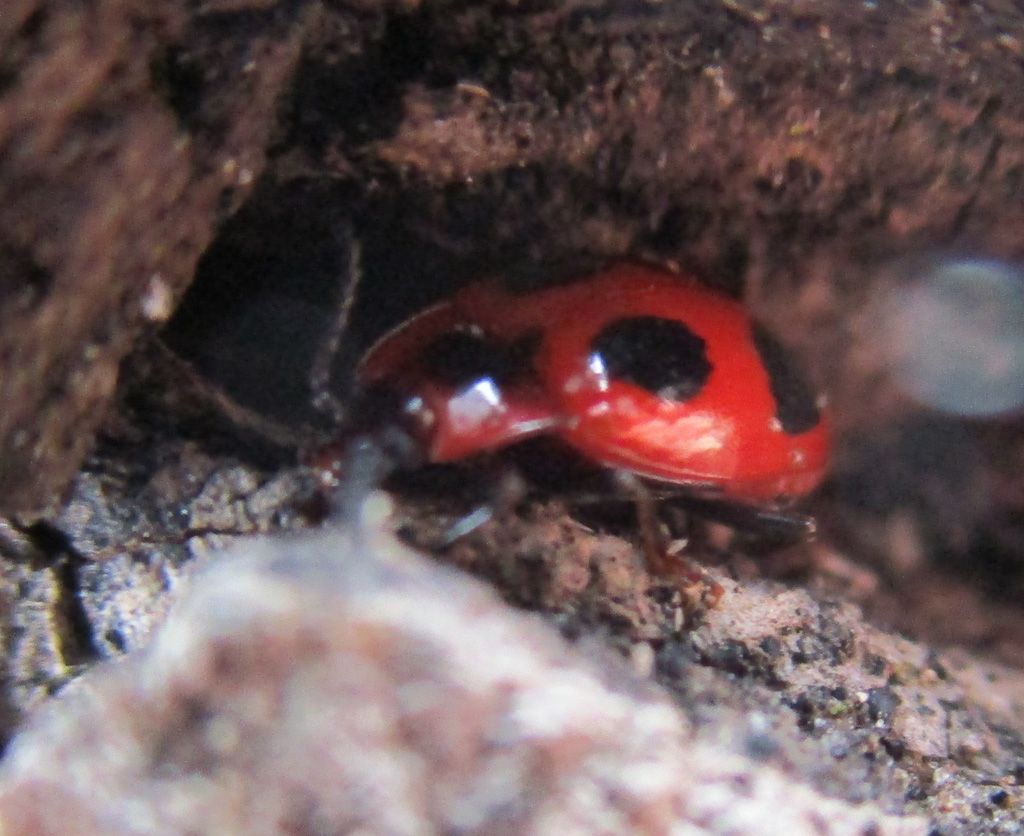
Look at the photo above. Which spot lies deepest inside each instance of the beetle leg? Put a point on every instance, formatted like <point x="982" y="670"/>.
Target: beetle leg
<point x="467" y="524"/>
<point x="505" y="488"/>
<point x="774" y="525"/>
<point x="692" y="581"/>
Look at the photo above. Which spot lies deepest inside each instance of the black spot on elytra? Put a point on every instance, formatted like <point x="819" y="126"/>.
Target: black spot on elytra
<point x="460" y="359"/>
<point x="660" y="355"/>
<point x="795" y="399"/>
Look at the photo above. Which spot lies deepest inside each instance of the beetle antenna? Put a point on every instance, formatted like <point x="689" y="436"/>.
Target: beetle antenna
<point x="324" y="399"/>
<point x="506" y="488"/>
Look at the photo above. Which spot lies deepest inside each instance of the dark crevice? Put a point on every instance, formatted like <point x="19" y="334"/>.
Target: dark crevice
<point x="78" y="642"/>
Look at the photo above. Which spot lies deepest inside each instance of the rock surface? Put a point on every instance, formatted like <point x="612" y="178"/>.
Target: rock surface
<point x="339" y="682"/>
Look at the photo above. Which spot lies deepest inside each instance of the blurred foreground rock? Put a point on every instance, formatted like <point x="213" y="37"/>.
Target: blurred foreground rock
<point x="339" y="683"/>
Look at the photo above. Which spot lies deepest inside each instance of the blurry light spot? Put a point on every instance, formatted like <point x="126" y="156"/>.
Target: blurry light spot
<point x="158" y="301"/>
<point x="956" y="336"/>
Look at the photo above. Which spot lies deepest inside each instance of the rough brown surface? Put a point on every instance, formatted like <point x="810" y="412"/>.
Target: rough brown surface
<point x="799" y="154"/>
<point x="109" y="191"/>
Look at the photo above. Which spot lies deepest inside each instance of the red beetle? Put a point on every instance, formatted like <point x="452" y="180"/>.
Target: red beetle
<point x="637" y="369"/>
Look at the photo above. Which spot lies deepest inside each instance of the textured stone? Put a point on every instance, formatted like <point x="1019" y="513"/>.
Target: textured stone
<point x="338" y="682"/>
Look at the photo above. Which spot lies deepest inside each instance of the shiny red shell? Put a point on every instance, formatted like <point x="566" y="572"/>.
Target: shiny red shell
<point x="725" y="440"/>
